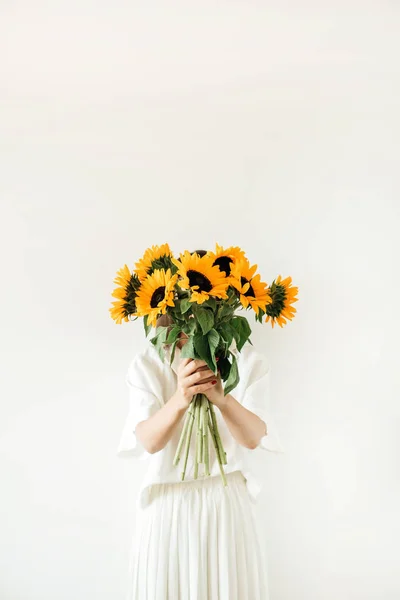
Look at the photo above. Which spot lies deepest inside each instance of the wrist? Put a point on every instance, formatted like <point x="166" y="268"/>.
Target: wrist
<point x="224" y="402"/>
<point x="180" y="402"/>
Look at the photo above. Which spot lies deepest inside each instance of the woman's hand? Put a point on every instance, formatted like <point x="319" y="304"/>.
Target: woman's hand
<point x="216" y="393"/>
<point x="194" y="377"/>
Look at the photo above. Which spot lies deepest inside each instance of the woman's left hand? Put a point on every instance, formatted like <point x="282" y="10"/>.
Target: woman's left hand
<point x="216" y="393"/>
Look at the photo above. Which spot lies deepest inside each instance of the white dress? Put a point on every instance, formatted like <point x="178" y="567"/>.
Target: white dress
<point x="196" y="539"/>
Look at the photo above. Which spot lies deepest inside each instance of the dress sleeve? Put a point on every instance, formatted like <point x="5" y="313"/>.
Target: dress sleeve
<point x="257" y="398"/>
<point x="143" y="403"/>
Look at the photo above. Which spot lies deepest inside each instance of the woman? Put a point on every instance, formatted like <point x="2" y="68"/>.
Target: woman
<point x="197" y="539"/>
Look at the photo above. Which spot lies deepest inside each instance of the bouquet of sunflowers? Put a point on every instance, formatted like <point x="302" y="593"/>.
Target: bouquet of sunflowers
<point x="201" y="292"/>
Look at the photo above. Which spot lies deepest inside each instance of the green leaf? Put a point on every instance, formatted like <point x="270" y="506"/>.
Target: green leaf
<point x="234" y="333"/>
<point x="185" y="305"/>
<point x="173" y="352"/>
<point x="211" y="303"/>
<point x="224" y="368"/>
<point x="226" y="334"/>
<point x="205" y="318"/>
<point x="201" y="345"/>
<point x="225" y="311"/>
<point x="160" y="350"/>
<point x="213" y="341"/>
<point x="233" y="378"/>
<point x="176" y="315"/>
<point x="154" y="340"/>
<point x="162" y="331"/>
<point x="203" y="349"/>
<point x="259" y="316"/>
<point x="190" y="327"/>
<point x="159" y="339"/>
<point x="173" y="334"/>
<point x="228" y="311"/>
<point x="243" y="330"/>
<point x="187" y="350"/>
<point x="147" y="327"/>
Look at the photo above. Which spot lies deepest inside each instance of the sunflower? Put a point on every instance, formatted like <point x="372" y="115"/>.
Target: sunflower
<point x="200" y="277"/>
<point x="225" y="258"/>
<point x="156" y="257"/>
<point x="155" y="294"/>
<point x="252" y="291"/>
<point x="283" y="295"/>
<point x="128" y="284"/>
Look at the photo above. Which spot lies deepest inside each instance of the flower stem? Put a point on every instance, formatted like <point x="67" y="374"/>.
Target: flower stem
<point x="201" y="428"/>
<point x="206" y="442"/>
<point x="214" y="439"/>
<point x="181" y="439"/>
<point x="218" y="437"/>
<point x="201" y="414"/>
<point x="188" y="436"/>
<point x="198" y="433"/>
<point x="206" y="455"/>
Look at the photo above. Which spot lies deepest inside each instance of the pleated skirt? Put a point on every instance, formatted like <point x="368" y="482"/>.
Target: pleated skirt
<point x="198" y="540"/>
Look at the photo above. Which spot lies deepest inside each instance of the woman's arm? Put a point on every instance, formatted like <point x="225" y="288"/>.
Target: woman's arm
<point x="195" y="377"/>
<point x="157" y="430"/>
<point x="245" y="426"/>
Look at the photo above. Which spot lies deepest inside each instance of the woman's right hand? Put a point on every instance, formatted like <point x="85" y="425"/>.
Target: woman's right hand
<point x="194" y="377"/>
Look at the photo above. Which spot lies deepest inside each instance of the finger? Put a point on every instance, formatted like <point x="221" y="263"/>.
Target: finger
<point x="185" y="366"/>
<point x="206" y="367"/>
<point x="192" y="366"/>
<point x="205" y="372"/>
<point x="185" y="361"/>
<point x="208" y="379"/>
<point x="199" y="376"/>
<point x="200" y="388"/>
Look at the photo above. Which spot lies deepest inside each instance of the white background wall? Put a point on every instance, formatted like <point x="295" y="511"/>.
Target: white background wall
<point x="270" y="125"/>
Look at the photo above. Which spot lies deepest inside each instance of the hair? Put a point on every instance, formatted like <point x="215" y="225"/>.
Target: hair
<point x="165" y="320"/>
<point x="200" y="252"/>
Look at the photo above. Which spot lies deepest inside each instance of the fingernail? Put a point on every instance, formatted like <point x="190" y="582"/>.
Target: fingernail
<point x="217" y="358"/>
<point x="214" y="381"/>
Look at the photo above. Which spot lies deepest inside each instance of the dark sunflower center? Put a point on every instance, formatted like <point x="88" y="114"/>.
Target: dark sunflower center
<point x="197" y="278"/>
<point x="224" y="264"/>
<point x="157" y="296"/>
<point x="250" y="291"/>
